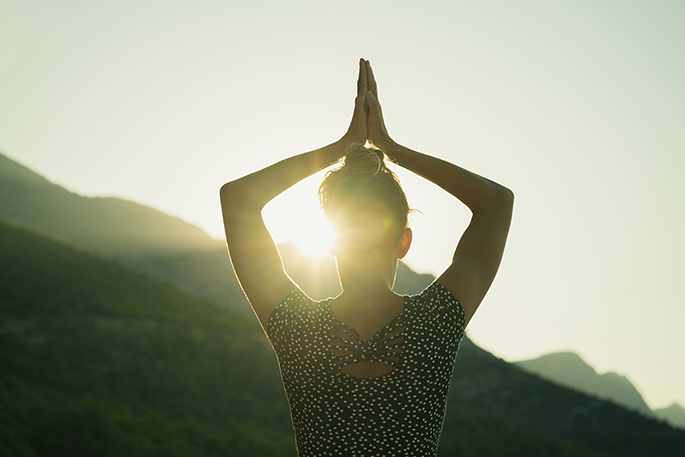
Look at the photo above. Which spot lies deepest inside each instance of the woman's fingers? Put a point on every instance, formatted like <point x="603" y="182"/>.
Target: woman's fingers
<point x="371" y="80"/>
<point x="378" y="134"/>
<point x="375" y="115"/>
<point x="357" y="132"/>
<point x="361" y="108"/>
<point x="362" y="84"/>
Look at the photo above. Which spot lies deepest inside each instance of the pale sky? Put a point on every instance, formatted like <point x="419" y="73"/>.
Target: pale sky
<point x="577" y="106"/>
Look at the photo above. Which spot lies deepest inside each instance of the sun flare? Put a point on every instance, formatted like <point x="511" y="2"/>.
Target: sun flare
<point x="296" y="216"/>
<point x="316" y="238"/>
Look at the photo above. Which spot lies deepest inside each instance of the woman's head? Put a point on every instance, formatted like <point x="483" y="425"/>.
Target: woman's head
<point x="364" y="201"/>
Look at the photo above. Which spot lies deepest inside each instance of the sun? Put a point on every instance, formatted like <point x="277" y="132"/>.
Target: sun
<point x="296" y="216"/>
<point x="315" y="237"/>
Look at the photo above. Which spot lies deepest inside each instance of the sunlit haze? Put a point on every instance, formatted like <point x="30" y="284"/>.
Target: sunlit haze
<point x="578" y="107"/>
<point x="296" y="216"/>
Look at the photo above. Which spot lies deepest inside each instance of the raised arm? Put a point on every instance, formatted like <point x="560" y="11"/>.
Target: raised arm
<point x="253" y="253"/>
<point x="479" y="252"/>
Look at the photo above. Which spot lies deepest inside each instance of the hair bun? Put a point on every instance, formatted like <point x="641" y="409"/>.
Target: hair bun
<point x="362" y="164"/>
<point x="363" y="175"/>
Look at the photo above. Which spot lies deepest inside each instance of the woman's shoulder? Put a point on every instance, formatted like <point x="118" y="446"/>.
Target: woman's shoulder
<point x="436" y="302"/>
<point x="436" y="293"/>
<point x="295" y="308"/>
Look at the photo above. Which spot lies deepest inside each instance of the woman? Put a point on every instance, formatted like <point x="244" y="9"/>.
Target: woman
<point x="366" y="373"/>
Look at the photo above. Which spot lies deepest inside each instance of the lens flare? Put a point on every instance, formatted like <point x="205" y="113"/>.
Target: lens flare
<point x="316" y="238"/>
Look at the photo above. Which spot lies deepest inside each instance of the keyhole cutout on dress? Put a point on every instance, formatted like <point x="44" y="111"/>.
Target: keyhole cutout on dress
<point x="362" y="358"/>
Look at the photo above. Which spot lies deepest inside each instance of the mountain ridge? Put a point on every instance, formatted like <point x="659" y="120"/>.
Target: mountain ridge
<point x="149" y="241"/>
<point x="108" y="225"/>
<point x="673" y="415"/>
<point x="568" y="369"/>
<point x="145" y="239"/>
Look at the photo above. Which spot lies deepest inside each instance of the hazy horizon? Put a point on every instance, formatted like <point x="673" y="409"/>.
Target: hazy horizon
<point x="577" y="107"/>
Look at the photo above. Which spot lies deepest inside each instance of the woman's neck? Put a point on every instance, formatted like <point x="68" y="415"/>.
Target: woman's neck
<point x="367" y="302"/>
<point x="367" y="280"/>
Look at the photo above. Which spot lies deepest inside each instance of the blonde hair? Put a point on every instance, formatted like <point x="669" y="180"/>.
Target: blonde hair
<point x="363" y="175"/>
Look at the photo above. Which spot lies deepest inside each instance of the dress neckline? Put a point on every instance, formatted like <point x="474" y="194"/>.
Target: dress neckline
<point x="381" y="331"/>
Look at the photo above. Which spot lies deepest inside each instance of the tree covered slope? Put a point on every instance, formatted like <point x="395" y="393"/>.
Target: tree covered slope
<point x="99" y="360"/>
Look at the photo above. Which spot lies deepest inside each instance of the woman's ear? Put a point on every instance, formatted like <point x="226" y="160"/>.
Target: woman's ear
<point x="405" y="243"/>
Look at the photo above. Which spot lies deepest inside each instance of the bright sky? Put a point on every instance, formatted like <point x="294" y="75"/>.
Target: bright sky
<point x="577" y="106"/>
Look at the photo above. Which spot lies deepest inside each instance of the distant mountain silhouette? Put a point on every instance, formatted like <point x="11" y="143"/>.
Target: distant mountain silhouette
<point x="570" y="370"/>
<point x="145" y="239"/>
<point x="154" y="243"/>
<point x="674" y="415"/>
<point x="485" y="386"/>
<point x="99" y="360"/>
<point x="110" y="226"/>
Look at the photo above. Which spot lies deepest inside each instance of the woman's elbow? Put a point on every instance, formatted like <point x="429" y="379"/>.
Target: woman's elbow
<point x="230" y="198"/>
<point x="238" y="203"/>
<point x="230" y="194"/>
<point x="507" y="195"/>
<point x="226" y="190"/>
<point x="501" y="196"/>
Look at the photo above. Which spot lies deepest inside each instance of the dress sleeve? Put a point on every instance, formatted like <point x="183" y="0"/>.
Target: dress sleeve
<point x="284" y="319"/>
<point x="443" y="309"/>
<point x="447" y="297"/>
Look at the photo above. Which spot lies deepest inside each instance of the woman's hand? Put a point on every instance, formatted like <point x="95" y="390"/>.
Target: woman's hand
<point x="377" y="132"/>
<point x="357" y="133"/>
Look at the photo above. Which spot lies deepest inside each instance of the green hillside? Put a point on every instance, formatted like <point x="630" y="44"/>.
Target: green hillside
<point x="98" y="360"/>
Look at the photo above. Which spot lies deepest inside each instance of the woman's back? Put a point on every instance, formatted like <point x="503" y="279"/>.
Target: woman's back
<point x="335" y="412"/>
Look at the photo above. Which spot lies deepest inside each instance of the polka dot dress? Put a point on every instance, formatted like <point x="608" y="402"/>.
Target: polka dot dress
<point x="396" y="414"/>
